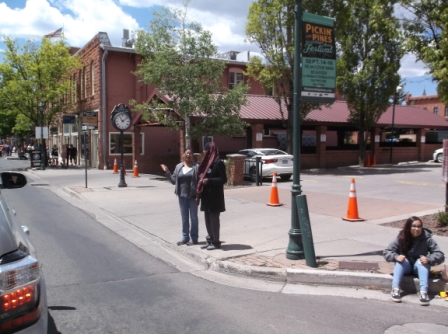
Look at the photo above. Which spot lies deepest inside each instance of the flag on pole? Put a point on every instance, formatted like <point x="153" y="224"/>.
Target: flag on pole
<point x="56" y="33"/>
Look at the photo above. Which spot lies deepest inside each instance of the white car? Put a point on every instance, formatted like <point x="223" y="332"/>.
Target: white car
<point x="273" y="160"/>
<point x="23" y="295"/>
<point x="438" y="155"/>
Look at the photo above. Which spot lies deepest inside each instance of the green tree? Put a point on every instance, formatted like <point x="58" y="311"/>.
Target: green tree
<point x="426" y="31"/>
<point x="36" y="73"/>
<point x="270" y="25"/>
<point x="179" y="58"/>
<point x="369" y="63"/>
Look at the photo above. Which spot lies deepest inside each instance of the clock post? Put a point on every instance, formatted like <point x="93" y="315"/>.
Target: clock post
<point x="122" y="181"/>
<point x="121" y="120"/>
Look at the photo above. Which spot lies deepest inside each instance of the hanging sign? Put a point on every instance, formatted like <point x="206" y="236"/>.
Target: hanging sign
<point x="318" y="59"/>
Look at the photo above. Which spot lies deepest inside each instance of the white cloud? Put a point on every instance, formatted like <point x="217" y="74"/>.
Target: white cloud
<point x="411" y="68"/>
<point x="86" y="19"/>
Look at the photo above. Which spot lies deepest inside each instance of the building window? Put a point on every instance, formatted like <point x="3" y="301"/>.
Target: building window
<point x="436" y="110"/>
<point x="446" y="111"/>
<point x="84" y="76"/>
<point x="75" y="81"/>
<point x="92" y="77"/>
<point x="114" y="142"/>
<point x="80" y="85"/>
<point x="235" y="77"/>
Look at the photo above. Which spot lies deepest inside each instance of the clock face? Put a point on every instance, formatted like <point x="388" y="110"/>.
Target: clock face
<point x="122" y="121"/>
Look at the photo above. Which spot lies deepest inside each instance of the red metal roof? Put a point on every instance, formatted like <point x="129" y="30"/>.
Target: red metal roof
<point x="266" y="108"/>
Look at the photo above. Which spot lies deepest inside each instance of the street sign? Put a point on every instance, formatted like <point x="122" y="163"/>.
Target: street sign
<point x="90" y="118"/>
<point x="319" y="59"/>
<point x="68" y="119"/>
<point x="45" y="130"/>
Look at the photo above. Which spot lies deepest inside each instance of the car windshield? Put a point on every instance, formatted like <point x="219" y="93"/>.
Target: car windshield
<point x="272" y="152"/>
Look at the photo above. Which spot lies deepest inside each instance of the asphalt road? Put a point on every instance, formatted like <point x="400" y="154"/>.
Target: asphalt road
<point x="98" y="282"/>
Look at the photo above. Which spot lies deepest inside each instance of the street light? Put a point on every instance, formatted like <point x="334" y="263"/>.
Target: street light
<point x="43" y="154"/>
<point x="397" y="93"/>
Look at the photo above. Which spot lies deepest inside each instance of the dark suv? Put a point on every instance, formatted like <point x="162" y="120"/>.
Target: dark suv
<point x="23" y="299"/>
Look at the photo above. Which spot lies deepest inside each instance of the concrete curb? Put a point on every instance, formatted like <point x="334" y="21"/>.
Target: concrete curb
<point x="261" y="273"/>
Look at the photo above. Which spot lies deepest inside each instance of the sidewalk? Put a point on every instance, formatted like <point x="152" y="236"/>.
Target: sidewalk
<point x="255" y="236"/>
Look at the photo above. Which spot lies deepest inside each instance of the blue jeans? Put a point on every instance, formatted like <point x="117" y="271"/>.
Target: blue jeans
<point x="189" y="210"/>
<point x="405" y="268"/>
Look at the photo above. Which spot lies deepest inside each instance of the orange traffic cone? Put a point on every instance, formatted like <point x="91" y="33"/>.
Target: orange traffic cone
<point x="352" y="210"/>
<point x="374" y="160"/>
<point x="368" y="161"/>
<point x="115" y="167"/>
<point x="135" y="170"/>
<point x="274" y="192"/>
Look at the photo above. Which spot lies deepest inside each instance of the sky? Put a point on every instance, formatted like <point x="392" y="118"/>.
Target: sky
<point x="83" y="19"/>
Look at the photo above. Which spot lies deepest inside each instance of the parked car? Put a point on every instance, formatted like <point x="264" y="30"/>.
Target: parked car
<point x="273" y="160"/>
<point x="23" y="292"/>
<point x="438" y="155"/>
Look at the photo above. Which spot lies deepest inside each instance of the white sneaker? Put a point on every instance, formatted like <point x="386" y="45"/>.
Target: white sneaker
<point x="424" y="299"/>
<point x="395" y="294"/>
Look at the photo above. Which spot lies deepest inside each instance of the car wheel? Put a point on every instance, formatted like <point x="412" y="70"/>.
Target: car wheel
<point x="439" y="157"/>
<point x="285" y="177"/>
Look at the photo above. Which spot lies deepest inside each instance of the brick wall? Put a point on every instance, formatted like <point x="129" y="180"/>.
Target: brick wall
<point x="236" y="176"/>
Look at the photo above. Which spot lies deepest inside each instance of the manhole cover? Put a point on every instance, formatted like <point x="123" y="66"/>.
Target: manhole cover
<point x="359" y="265"/>
<point x="39" y="184"/>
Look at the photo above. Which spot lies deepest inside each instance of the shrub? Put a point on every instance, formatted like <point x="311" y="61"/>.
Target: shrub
<point x="442" y="218"/>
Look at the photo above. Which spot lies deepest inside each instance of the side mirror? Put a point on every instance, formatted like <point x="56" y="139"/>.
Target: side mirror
<point x="12" y="180"/>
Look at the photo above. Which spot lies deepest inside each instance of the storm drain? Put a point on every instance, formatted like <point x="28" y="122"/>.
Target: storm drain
<point x="358" y="265"/>
<point x="144" y="187"/>
<point x="39" y="184"/>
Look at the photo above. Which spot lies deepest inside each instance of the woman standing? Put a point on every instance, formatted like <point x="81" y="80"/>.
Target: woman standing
<point x="212" y="177"/>
<point x="413" y="251"/>
<point x="185" y="179"/>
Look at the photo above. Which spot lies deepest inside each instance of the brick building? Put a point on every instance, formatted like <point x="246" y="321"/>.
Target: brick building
<point x="106" y="80"/>
<point x="431" y="103"/>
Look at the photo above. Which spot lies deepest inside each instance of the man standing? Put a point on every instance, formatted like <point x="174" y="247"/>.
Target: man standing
<point x="73" y="152"/>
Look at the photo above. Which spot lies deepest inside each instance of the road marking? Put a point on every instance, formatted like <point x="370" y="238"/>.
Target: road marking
<point x="424" y="184"/>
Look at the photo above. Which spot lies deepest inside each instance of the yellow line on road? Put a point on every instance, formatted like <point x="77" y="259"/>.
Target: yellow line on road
<point x="424" y="184"/>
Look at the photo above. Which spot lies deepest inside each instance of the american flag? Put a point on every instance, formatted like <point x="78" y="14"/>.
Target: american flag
<point x="56" y="33"/>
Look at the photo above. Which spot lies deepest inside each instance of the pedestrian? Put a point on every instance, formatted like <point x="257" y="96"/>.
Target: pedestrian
<point x="54" y="155"/>
<point x="210" y="193"/>
<point x="413" y="251"/>
<point x="64" y="156"/>
<point x="73" y="152"/>
<point x="185" y="179"/>
<point x="4" y="150"/>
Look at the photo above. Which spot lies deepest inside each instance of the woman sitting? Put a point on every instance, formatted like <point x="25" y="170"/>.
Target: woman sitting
<point x="413" y="251"/>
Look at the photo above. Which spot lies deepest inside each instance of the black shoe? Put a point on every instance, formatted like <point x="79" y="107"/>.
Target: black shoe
<point x="395" y="294"/>
<point x="424" y="299"/>
<point x="179" y="243"/>
<point x="212" y="247"/>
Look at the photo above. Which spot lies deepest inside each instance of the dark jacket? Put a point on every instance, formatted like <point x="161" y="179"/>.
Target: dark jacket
<point x="424" y="245"/>
<point x="212" y="196"/>
<point x="173" y="179"/>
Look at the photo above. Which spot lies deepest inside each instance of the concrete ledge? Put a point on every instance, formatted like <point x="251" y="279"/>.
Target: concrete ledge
<point x="270" y="274"/>
<point x="339" y="278"/>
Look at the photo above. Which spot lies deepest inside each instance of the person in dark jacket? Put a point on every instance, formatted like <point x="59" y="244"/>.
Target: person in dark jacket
<point x="413" y="251"/>
<point x="185" y="179"/>
<point x="210" y="192"/>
